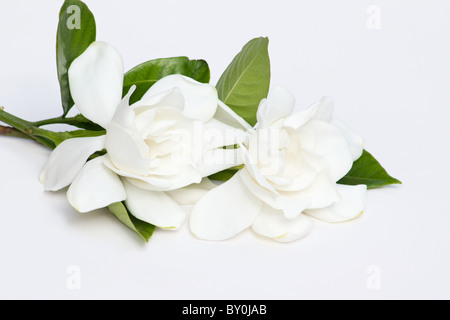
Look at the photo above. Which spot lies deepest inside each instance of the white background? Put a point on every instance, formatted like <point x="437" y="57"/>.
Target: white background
<point x="391" y="85"/>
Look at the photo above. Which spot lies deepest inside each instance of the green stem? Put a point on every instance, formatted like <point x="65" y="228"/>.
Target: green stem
<point x="77" y="121"/>
<point x="11" y="132"/>
<point x="15" y="122"/>
<point x="47" y="138"/>
<point x="27" y="128"/>
<point x="58" y="120"/>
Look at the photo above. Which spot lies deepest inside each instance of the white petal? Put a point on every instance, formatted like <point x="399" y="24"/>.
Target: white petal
<point x="321" y="110"/>
<point x="279" y="104"/>
<point x="218" y="134"/>
<point x="224" y="211"/>
<point x="354" y="141"/>
<point x="268" y="196"/>
<point x="200" y="99"/>
<point x="229" y="117"/>
<point x="320" y="193"/>
<point x="172" y="98"/>
<point x="126" y="149"/>
<point x="161" y="124"/>
<point x="127" y="152"/>
<point x="272" y="223"/>
<point x="326" y="140"/>
<point x="218" y="160"/>
<point x="95" y="187"/>
<point x="300" y="170"/>
<point x="185" y="176"/>
<point x="350" y="205"/>
<point x="191" y="194"/>
<point x="154" y="207"/>
<point x="251" y="166"/>
<point x="67" y="160"/>
<point x="96" y="80"/>
<point x="124" y="116"/>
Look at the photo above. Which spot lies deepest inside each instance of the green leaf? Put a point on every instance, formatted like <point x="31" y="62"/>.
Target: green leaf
<point x="144" y="229"/>
<point x="367" y="170"/>
<point x="246" y="81"/>
<point x="76" y="31"/>
<point x="146" y="74"/>
<point x="224" y="175"/>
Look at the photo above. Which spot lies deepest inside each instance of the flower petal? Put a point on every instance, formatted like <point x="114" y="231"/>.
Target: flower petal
<point x="67" y="160"/>
<point x="126" y="152"/>
<point x="218" y="134"/>
<point x="272" y="223"/>
<point x="270" y="197"/>
<point x="126" y="149"/>
<point x="279" y="104"/>
<point x="185" y="176"/>
<point x="217" y="160"/>
<point x="172" y="98"/>
<point x="95" y="187"/>
<point x="251" y="166"/>
<point x="350" y="205"/>
<point x="154" y="207"/>
<point x="354" y="141"/>
<point x="300" y="171"/>
<point x="327" y="141"/>
<point x="224" y="211"/>
<point x="191" y="194"/>
<point x="200" y="99"/>
<point x="124" y="116"/>
<point x="321" y="110"/>
<point x="320" y="193"/>
<point x="96" y="80"/>
<point x="226" y="115"/>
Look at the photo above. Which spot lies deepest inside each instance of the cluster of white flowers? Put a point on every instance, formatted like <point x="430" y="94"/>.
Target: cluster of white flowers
<point x="161" y="150"/>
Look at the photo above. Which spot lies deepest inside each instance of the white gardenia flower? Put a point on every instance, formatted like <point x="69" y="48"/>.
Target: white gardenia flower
<point x="292" y="164"/>
<point x="168" y="140"/>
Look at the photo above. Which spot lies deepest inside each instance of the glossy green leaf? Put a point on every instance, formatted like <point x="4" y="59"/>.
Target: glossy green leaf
<point x="224" y="175"/>
<point x="246" y="80"/>
<point x="144" y="229"/>
<point x="76" y="31"/>
<point x="146" y="74"/>
<point x="367" y="170"/>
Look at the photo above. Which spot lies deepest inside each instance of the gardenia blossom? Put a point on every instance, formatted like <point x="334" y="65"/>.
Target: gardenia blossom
<point x="292" y="164"/>
<point x="165" y="142"/>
